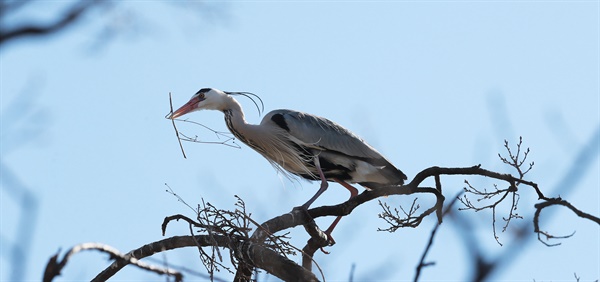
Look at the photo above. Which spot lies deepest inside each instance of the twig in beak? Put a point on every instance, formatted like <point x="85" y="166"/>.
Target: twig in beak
<point x="173" y="122"/>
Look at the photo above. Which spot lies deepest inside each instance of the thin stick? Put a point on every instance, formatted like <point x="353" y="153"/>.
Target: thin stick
<point x="176" y="131"/>
<point x="217" y="133"/>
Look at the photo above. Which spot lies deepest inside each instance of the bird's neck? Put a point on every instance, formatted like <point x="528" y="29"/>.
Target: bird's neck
<point x="236" y="123"/>
<point x="235" y="120"/>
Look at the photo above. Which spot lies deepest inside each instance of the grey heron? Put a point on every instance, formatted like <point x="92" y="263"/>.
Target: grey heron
<point x="302" y="144"/>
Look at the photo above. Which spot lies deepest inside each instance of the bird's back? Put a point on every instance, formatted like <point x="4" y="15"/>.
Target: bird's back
<point x="343" y="154"/>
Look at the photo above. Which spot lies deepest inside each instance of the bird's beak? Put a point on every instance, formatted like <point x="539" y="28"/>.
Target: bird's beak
<point x="188" y="107"/>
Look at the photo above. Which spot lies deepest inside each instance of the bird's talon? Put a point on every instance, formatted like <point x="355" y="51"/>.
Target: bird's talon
<point x="330" y="242"/>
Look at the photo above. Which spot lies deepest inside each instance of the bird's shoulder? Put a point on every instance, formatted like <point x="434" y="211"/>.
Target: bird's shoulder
<point x="296" y="122"/>
<point x="315" y="131"/>
<point x="296" y="118"/>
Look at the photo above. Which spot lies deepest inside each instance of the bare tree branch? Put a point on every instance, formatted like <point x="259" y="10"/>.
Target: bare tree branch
<point x="296" y="217"/>
<point x="556" y="202"/>
<point x="54" y="266"/>
<point x="73" y="14"/>
<point x="259" y="256"/>
<point x="561" y="202"/>
<point x="485" y="266"/>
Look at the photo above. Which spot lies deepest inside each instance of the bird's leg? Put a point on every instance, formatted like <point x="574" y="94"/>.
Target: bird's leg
<point x="322" y="189"/>
<point x="324" y="184"/>
<point x="353" y="193"/>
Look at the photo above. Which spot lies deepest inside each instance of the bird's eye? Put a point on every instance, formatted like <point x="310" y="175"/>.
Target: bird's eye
<point x="199" y="95"/>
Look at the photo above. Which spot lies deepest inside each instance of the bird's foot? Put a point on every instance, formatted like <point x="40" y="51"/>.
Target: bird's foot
<point x="330" y="242"/>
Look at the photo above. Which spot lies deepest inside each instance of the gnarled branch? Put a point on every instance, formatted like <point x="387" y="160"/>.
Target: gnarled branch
<point x="255" y="254"/>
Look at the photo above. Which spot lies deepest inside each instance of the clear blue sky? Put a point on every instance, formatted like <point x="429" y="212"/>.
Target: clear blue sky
<point x="426" y="83"/>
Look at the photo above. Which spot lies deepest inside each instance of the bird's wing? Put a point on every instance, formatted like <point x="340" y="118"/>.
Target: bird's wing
<point x="320" y="133"/>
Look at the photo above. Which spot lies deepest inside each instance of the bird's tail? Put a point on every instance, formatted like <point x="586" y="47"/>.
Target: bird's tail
<point x="394" y="177"/>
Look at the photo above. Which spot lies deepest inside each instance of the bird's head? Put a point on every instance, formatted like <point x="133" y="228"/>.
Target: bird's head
<point x="214" y="99"/>
<point x="204" y="99"/>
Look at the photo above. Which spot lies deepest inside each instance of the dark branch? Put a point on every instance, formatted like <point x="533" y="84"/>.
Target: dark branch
<point x="54" y="266"/>
<point x="296" y="217"/>
<point x="30" y="30"/>
<point x="258" y="255"/>
<point x="556" y="202"/>
<point x="561" y="202"/>
<point x="412" y="188"/>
